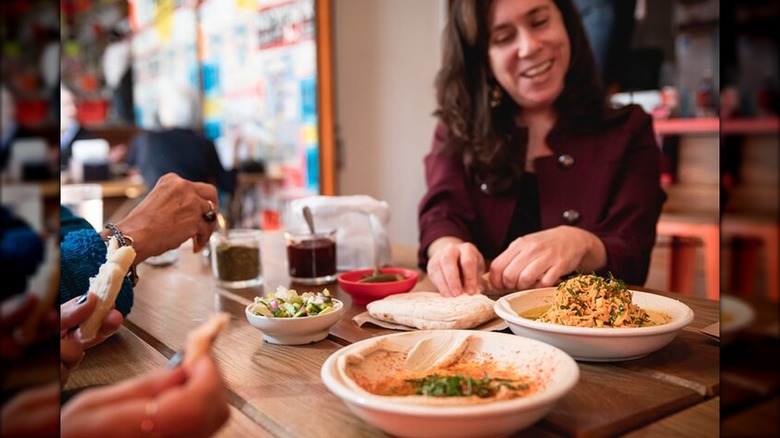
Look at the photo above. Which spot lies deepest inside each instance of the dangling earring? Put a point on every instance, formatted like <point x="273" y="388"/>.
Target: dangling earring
<point x="495" y="96"/>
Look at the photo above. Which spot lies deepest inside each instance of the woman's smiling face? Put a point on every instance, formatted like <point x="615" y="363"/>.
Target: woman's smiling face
<point x="528" y="50"/>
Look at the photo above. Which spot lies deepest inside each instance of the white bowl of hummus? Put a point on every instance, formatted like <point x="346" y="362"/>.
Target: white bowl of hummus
<point x="450" y="383"/>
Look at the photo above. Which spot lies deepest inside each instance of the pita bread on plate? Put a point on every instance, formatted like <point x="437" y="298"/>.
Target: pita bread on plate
<point x="432" y="311"/>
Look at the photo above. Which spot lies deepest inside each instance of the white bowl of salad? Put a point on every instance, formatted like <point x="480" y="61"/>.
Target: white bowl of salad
<point x="288" y="318"/>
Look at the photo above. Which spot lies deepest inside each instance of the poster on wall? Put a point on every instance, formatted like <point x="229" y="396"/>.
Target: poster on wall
<point x="259" y="67"/>
<point x="164" y="49"/>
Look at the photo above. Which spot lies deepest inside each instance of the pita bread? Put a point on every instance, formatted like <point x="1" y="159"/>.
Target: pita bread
<point x="46" y="301"/>
<point x="201" y="339"/>
<point x="432" y="311"/>
<point x="106" y="285"/>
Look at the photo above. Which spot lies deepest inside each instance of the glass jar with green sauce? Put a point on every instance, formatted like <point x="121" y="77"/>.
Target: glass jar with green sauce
<point x="236" y="258"/>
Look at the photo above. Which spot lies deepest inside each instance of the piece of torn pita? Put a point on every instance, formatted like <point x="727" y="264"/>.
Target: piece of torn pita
<point x="201" y="339"/>
<point x="432" y="311"/>
<point x="46" y="301"/>
<point x="106" y="285"/>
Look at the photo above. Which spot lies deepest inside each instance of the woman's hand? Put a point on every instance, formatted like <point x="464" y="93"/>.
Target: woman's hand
<point x="33" y="412"/>
<point x="170" y="214"/>
<point x="72" y="346"/>
<point x="540" y="259"/>
<point x="455" y="267"/>
<point x="13" y="314"/>
<point x="186" y="402"/>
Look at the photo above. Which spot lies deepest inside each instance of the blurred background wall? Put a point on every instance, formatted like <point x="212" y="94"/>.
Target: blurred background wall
<point x="387" y="55"/>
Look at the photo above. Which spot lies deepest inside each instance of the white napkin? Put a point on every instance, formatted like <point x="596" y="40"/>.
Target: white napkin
<point x="116" y="61"/>
<point x="360" y="222"/>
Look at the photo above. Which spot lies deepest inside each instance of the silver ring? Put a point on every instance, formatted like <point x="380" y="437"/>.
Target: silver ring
<point x="211" y="215"/>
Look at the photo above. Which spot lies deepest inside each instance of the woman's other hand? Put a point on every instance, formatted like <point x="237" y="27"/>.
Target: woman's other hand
<point x="540" y="259"/>
<point x="455" y="267"/>
<point x="14" y="312"/>
<point x="186" y="402"/>
<point x="32" y="413"/>
<point x="72" y="347"/>
<point x="171" y="213"/>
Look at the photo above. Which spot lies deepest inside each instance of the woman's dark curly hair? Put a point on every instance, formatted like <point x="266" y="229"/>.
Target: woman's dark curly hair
<point x="484" y="135"/>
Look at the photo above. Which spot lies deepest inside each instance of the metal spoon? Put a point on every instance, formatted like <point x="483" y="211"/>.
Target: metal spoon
<point x="222" y="224"/>
<point x="223" y="231"/>
<point x="309" y="218"/>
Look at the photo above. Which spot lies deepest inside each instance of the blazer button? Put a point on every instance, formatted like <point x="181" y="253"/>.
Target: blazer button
<point x="571" y="216"/>
<point x="566" y="161"/>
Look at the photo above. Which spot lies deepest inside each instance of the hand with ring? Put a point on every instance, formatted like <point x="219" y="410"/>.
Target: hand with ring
<point x="211" y="215"/>
<point x="180" y="401"/>
<point x="172" y="212"/>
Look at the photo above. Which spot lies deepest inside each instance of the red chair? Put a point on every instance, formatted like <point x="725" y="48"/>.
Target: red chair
<point x="682" y="267"/>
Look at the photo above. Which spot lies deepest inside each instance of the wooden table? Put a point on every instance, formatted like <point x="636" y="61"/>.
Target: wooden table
<point x="672" y="392"/>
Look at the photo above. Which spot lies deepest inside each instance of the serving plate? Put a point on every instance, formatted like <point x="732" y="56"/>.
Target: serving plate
<point x="556" y="372"/>
<point x="735" y="315"/>
<point x="590" y="343"/>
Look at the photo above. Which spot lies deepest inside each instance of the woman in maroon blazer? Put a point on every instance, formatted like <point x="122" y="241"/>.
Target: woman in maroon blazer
<point x="531" y="170"/>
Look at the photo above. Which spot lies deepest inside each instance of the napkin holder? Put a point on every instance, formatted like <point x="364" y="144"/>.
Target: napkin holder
<point x="29" y="160"/>
<point x="89" y="160"/>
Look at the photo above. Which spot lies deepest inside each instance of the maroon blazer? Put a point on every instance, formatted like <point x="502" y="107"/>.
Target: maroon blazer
<point x="607" y="183"/>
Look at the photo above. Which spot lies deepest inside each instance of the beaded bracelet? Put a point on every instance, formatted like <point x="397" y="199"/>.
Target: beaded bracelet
<point x="124" y="241"/>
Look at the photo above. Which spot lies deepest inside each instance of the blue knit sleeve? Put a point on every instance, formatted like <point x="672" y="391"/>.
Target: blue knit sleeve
<point x="21" y="252"/>
<point x="82" y="252"/>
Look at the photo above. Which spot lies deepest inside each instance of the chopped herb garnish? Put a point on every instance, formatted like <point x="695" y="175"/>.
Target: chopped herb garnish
<point x="436" y="385"/>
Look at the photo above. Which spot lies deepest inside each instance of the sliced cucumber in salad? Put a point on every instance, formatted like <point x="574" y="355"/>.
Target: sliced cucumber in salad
<point x="287" y="303"/>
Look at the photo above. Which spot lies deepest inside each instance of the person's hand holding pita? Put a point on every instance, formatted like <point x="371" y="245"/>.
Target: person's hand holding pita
<point x="186" y="401"/>
<point x="33" y="413"/>
<point x="15" y="311"/>
<point x="72" y="347"/>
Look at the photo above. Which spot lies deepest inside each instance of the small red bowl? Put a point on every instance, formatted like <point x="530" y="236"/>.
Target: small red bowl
<point x="364" y="293"/>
